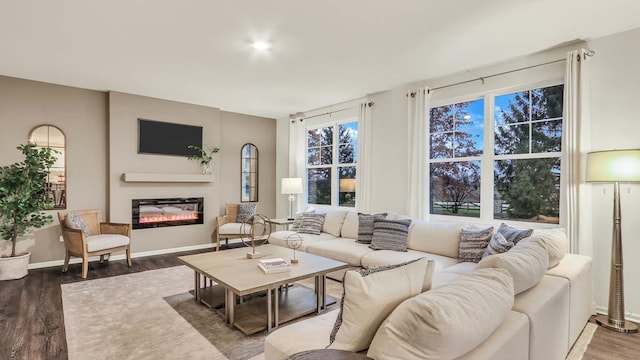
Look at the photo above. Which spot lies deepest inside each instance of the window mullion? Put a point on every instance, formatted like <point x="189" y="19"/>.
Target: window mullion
<point x="486" y="166"/>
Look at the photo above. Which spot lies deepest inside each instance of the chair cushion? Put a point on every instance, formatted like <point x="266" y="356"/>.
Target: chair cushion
<point x="75" y="221"/>
<point x="446" y="322"/>
<point x="106" y="241"/>
<point x="526" y="262"/>
<point x="390" y="234"/>
<point x="245" y="211"/>
<point x="233" y="229"/>
<point x="369" y="296"/>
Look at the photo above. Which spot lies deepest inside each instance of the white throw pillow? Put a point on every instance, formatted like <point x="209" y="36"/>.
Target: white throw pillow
<point x="369" y="297"/>
<point x="333" y="221"/>
<point x="557" y="244"/>
<point x="526" y="262"/>
<point x="350" y="225"/>
<point x="448" y="321"/>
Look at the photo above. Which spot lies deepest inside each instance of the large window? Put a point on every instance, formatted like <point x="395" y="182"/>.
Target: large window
<point x="331" y="164"/>
<point x="522" y="152"/>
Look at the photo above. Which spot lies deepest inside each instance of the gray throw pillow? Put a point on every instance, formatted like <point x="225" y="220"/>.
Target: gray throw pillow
<point x="365" y="226"/>
<point x="390" y="234"/>
<point x="514" y="234"/>
<point x="245" y="211"/>
<point x="497" y="245"/>
<point x="473" y="243"/>
<point x="74" y="221"/>
<point x="311" y="223"/>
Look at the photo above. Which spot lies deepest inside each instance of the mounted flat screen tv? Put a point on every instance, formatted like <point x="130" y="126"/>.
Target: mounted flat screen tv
<point x="157" y="137"/>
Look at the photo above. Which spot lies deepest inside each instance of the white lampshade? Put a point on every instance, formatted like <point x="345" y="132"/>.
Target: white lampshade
<point x="347" y="185"/>
<point x="291" y="186"/>
<point x="613" y="166"/>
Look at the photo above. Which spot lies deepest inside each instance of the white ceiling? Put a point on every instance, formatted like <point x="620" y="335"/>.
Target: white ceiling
<point x="324" y="52"/>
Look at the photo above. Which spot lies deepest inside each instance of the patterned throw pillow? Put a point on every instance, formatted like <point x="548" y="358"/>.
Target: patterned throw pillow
<point x="514" y="234"/>
<point x="473" y="243"/>
<point x="297" y="219"/>
<point x="245" y="211"/>
<point x="311" y="223"/>
<point x="365" y="226"/>
<point x="74" y="221"/>
<point x="497" y="245"/>
<point x="390" y="234"/>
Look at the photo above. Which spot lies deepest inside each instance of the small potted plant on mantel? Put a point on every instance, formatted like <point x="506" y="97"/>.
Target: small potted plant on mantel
<point x="23" y="197"/>
<point x="205" y="158"/>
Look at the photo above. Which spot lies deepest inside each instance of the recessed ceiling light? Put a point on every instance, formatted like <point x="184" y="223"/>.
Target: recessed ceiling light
<point x="261" y="45"/>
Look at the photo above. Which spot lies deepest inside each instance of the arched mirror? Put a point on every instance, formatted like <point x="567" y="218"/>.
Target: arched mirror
<point x="52" y="137"/>
<point x="249" y="176"/>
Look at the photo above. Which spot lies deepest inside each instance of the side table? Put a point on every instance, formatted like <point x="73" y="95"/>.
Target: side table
<point x="328" y="354"/>
<point x="281" y="221"/>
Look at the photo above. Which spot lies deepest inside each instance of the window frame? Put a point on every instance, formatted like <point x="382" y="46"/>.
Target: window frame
<point x="488" y="156"/>
<point x="335" y="164"/>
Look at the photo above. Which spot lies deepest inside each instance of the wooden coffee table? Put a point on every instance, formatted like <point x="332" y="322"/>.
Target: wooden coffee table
<point x="236" y="275"/>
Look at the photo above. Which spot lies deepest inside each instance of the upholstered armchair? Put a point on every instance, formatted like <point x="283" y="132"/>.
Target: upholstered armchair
<point x="84" y="236"/>
<point x="229" y="225"/>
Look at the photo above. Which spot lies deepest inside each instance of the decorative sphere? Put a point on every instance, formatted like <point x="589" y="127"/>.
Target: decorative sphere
<point x="255" y="230"/>
<point x="294" y="241"/>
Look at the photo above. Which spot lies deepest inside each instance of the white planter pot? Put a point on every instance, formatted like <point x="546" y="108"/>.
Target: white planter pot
<point x="12" y="268"/>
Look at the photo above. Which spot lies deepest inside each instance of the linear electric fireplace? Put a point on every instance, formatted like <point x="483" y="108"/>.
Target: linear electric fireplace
<point x="153" y="213"/>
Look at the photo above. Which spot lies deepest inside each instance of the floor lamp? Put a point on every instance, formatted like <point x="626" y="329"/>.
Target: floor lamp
<point x="291" y="186"/>
<point x="615" y="166"/>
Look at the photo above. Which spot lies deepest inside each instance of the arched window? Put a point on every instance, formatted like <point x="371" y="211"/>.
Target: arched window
<point x="249" y="175"/>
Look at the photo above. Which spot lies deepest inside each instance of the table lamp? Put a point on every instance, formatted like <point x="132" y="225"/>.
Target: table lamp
<point x="291" y="186"/>
<point x="615" y="166"/>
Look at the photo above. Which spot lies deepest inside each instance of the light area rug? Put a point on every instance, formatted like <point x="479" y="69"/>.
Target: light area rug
<point x="151" y="315"/>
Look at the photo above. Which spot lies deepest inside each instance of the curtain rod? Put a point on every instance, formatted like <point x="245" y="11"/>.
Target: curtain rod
<point x="483" y="78"/>
<point x="369" y="104"/>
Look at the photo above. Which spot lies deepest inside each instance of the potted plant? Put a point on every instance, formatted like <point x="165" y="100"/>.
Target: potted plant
<point x="23" y="197"/>
<point x="205" y="158"/>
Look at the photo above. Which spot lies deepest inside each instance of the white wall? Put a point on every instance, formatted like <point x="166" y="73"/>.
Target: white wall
<point x="615" y="114"/>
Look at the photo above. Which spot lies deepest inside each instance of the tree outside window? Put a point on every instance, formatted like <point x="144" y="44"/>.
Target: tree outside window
<point x="332" y="153"/>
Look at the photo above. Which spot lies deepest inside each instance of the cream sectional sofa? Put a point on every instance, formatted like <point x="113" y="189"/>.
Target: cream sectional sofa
<point x="543" y="324"/>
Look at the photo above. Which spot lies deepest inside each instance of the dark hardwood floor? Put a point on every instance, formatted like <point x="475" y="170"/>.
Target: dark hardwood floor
<point x="32" y="324"/>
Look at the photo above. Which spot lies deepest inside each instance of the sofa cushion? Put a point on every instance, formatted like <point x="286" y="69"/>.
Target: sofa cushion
<point x="369" y="296"/>
<point x="440" y="238"/>
<point x="312" y="333"/>
<point x="446" y="322"/>
<point x="497" y="245"/>
<point x="365" y="226"/>
<point x="509" y="341"/>
<point x="345" y="250"/>
<point x="311" y="223"/>
<point x="461" y="268"/>
<point x="390" y="257"/>
<point x="245" y="211"/>
<point x="556" y="242"/>
<point x="333" y="220"/>
<point x="390" y="234"/>
<point x="526" y="262"/>
<point x="512" y="234"/>
<point x="473" y="243"/>
<point x="350" y="225"/>
<point x="106" y="241"/>
<point x="280" y="238"/>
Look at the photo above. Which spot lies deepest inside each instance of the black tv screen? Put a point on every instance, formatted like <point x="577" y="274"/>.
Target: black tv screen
<point x="157" y="137"/>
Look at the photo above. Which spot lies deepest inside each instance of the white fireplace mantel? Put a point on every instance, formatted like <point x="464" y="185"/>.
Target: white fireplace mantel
<point x="167" y="178"/>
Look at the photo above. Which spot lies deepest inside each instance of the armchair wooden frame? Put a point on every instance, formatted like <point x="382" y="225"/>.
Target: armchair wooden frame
<point x="221" y="220"/>
<point x="75" y="241"/>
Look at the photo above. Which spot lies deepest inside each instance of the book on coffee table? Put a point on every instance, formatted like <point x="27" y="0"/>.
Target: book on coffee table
<point x="276" y="265"/>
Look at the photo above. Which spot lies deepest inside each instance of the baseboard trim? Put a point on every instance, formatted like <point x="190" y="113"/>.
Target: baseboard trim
<point x="122" y="256"/>
<point x="602" y="310"/>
